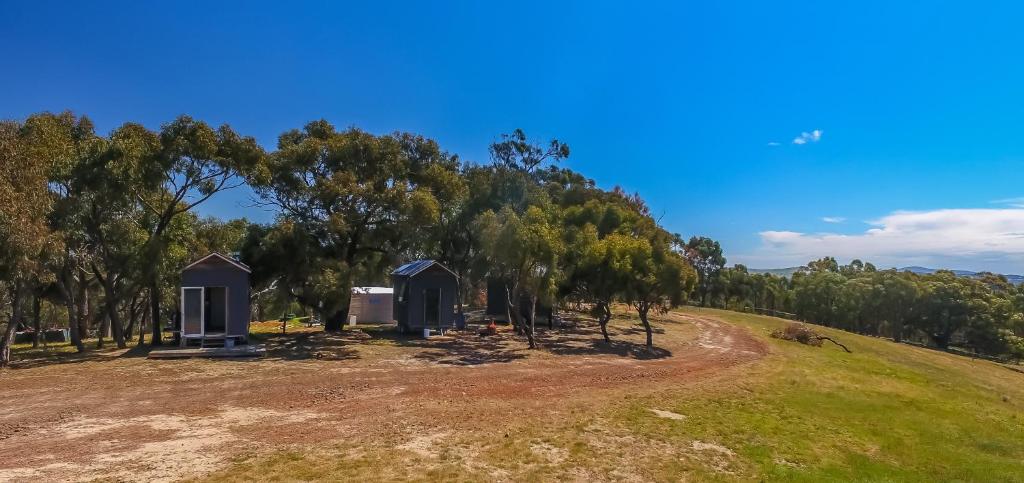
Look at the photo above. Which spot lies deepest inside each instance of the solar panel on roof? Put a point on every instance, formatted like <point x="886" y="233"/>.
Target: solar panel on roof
<point x="412" y="268"/>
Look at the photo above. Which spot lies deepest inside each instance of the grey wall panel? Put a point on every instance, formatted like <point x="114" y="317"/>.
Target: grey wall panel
<point x="218" y="273"/>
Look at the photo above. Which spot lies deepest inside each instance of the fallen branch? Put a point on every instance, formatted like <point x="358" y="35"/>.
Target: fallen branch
<point x="805" y="335"/>
<point x="821" y="337"/>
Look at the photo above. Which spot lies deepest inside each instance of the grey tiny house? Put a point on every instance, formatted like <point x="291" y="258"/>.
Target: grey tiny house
<point x="424" y="295"/>
<point x="215" y="300"/>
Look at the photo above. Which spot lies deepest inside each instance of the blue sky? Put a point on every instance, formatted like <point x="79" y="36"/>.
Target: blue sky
<point x="920" y="105"/>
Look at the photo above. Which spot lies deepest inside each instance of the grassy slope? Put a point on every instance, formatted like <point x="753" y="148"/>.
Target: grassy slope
<point x="887" y="412"/>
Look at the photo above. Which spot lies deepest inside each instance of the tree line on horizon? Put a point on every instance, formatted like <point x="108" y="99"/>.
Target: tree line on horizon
<point x="94" y="230"/>
<point x="982" y="315"/>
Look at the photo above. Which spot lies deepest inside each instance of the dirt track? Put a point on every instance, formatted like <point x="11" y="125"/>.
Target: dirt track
<point x="130" y="418"/>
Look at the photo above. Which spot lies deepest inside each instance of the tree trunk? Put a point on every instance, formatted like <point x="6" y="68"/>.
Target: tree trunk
<point x="102" y="329"/>
<point x="530" y="335"/>
<point x="604" y="315"/>
<point x="154" y="313"/>
<point x="113" y="317"/>
<point x="67" y="290"/>
<point x="336" y="321"/>
<point x="83" y="304"/>
<point x="117" y="330"/>
<point x="647" y="325"/>
<point x="515" y="315"/>
<point x="17" y="293"/>
<point x="142" y="324"/>
<point x="133" y="316"/>
<point x="37" y="324"/>
<point x="508" y="307"/>
<point x="459" y="297"/>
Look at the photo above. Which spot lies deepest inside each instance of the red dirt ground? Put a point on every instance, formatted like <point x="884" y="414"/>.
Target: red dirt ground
<point x="124" y="417"/>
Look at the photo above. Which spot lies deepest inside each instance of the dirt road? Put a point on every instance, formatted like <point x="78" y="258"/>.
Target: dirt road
<point x="124" y="417"/>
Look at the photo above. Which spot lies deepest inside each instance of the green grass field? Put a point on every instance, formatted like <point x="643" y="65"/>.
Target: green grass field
<point x="886" y="412"/>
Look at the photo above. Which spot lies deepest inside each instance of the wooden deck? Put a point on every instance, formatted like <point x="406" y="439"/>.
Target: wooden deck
<point x="209" y="352"/>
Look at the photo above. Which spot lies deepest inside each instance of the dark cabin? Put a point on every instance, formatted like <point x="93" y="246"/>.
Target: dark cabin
<point x="215" y="300"/>
<point x="424" y="295"/>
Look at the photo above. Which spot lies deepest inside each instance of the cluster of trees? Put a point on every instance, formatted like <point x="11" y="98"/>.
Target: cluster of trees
<point x="353" y="204"/>
<point x="96" y="227"/>
<point x="984" y="314"/>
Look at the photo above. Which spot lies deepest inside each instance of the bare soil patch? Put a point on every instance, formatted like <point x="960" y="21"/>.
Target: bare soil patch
<point x="132" y="419"/>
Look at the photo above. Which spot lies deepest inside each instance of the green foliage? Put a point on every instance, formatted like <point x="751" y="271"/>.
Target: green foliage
<point x="350" y="202"/>
<point x="705" y="255"/>
<point x="941" y="309"/>
<point x="119" y="210"/>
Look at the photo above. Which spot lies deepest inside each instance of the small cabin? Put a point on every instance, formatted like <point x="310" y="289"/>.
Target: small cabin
<point x="372" y="305"/>
<point x="425" y="295"/>
<point x="215" y="301"/>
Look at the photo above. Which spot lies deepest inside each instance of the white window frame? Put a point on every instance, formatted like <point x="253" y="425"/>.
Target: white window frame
<point x="202" y="311"/>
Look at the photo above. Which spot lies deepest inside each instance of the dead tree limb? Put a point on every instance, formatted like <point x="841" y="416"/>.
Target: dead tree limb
<point x="822" y="337"/>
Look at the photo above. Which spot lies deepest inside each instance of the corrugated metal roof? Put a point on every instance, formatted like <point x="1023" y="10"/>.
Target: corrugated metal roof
<point x="412" y="268"/>
<point x="373" y="290"/>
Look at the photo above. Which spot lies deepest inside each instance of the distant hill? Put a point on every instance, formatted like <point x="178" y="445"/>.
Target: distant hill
<point x="788" y="272"/>
<point x="781" y="272"/>
<point x="1014" y="279"/>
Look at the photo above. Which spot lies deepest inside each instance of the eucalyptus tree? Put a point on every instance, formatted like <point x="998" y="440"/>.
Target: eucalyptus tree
<point x="525" y="250"/>
<point x="605" y="273"/>
<point x="25" y="154"/>
<point x="705" y="255"/>
<point x="172" y="171"/>
<point x="660" y="277"/>
<point x="61" y="142"/>
<point x="898" y="300"/>
<point x="108" y="218"/>
<point x="597" y="227"/>
<point x="349" y="200"/>
<point x="946" y="307"/>
<point x="214" y="235"/>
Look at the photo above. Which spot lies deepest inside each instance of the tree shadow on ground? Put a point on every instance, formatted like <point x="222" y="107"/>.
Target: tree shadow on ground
<point x="458" y="348"/>
<point x="28" y="358"/>
<point x="584" y="340"/>
<point x="328" y="346"/>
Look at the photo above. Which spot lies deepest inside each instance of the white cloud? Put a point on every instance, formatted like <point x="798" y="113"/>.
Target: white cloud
<point x="833" y="219"/>
<point x="808" y="137"/>
<point x="773" y="143"/>
<point x="1014" y="202"/>
<point x="976" y="239"/>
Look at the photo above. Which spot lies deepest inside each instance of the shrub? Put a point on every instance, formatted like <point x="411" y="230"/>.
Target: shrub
<point x="799" y="333"/>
